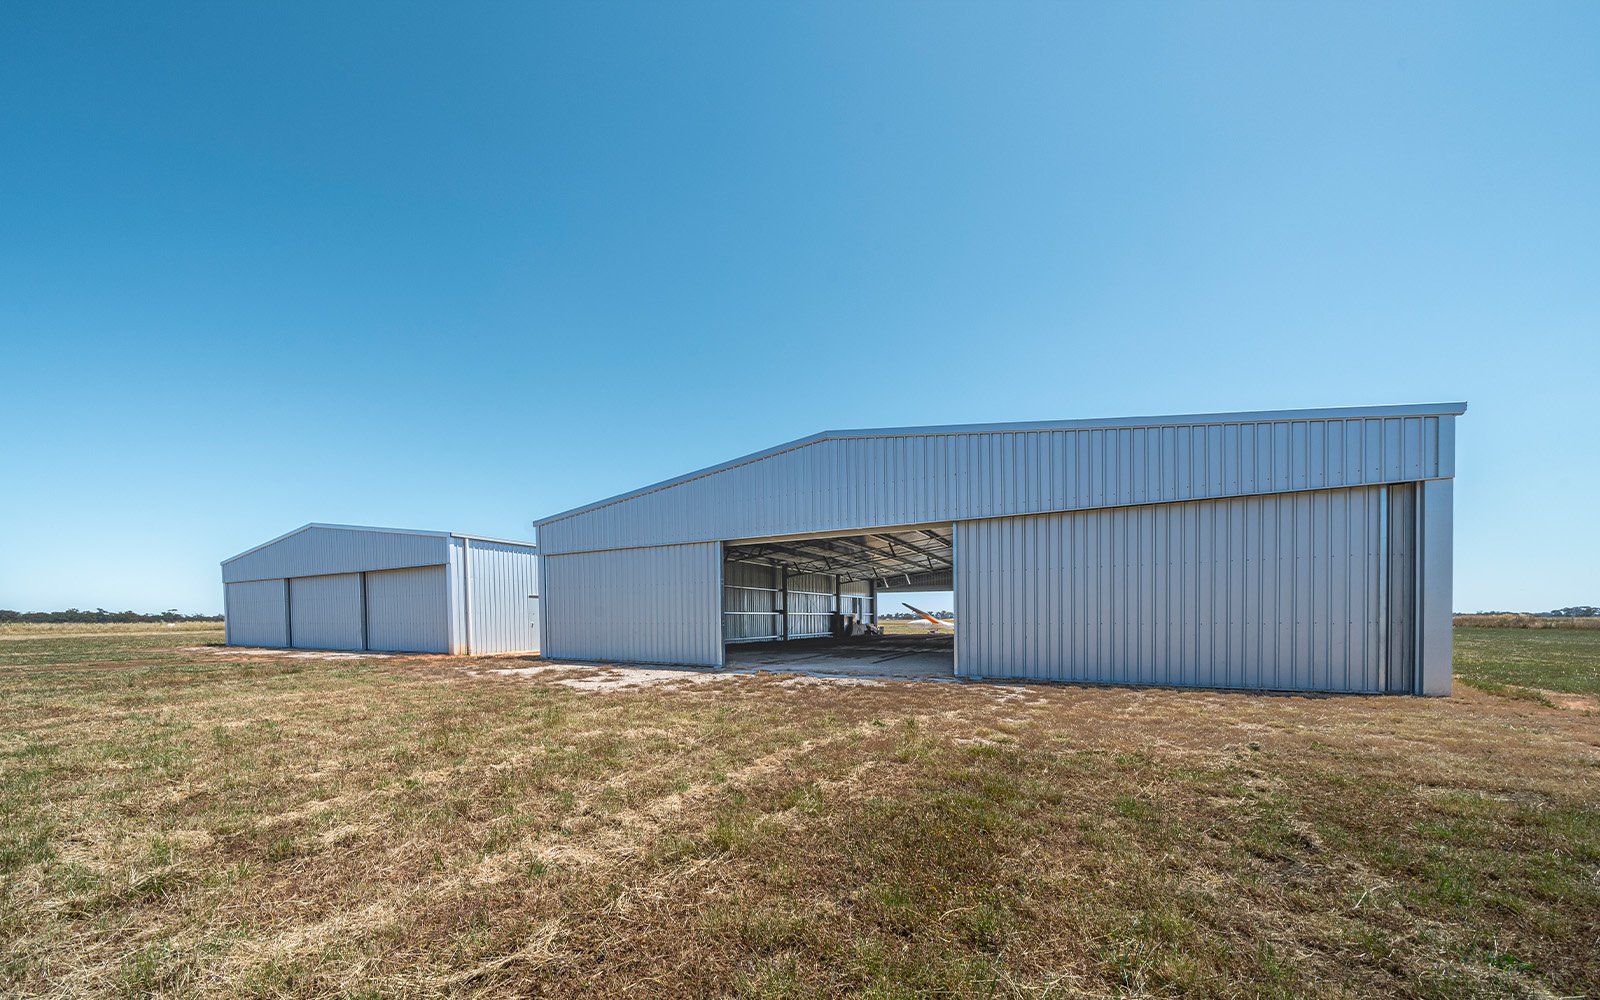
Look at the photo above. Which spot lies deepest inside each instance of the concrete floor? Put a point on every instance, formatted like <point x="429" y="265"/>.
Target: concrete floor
<point x="895" y="657"/>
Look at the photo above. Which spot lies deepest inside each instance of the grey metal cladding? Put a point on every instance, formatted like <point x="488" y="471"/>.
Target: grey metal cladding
<point x="1400" y="590"/>
<point x="846" y="480"/>
<point x="1435" y="570"/>
<point x="750" y="601"/>
<point x="408" y="610"/>
<point x="325" y="611"/>
<point x="256" y="613"/>
<point x="812" y="598"/>
<point x="652" y="605"/>
<point x="319" y="550"/>
<point x="505" y="579"/>
<point x="1278" y="592"/>
<point x="760" y="601"/>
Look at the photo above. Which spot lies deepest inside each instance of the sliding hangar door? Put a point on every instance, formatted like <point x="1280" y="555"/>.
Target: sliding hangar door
<point x="1297" y="591"/>
<point x="1295" y="550"/>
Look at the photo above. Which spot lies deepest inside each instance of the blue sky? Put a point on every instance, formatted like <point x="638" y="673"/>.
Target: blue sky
<point x="459" y="266"/>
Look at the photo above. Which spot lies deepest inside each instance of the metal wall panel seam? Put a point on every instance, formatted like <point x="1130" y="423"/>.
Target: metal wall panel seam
<point x="1383" y="587"/>
<point x="1416" y="590"/>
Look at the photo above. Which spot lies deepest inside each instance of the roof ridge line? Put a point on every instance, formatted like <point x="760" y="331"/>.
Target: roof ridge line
<point x="1021" y="427"/>
<point x="372" y="527"/>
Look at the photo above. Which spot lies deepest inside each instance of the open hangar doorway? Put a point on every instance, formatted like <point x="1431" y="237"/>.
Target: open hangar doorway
<point x="811" y="603"/>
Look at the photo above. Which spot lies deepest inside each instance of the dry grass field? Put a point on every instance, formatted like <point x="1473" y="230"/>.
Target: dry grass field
<point x="178" y="820"/>
<point x="905" y="626"/>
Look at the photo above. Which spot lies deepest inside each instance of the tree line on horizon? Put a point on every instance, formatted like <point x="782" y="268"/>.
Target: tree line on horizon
<point x="72" y="616"/>
<point x="1577" y="611"/>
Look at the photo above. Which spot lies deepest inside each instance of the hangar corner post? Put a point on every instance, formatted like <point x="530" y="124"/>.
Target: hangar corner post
<point x="1435" y="569"/>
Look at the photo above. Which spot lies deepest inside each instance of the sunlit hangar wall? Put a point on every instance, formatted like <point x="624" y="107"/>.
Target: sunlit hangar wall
<point x="658" y="604"/>
<point x="354" y="588"/>
<point x="1290" y="591"/>
<point x="1351" y="600"/>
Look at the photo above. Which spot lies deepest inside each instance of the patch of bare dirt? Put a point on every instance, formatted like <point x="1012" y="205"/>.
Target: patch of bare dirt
<point x="1573" y="702"/>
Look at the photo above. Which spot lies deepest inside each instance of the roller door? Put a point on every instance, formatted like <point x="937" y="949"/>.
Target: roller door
<point x="325" y="611"/>
<point x="407" y="610"/>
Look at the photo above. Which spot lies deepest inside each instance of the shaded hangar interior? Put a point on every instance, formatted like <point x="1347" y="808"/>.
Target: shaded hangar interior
<point x="801" y="588"/>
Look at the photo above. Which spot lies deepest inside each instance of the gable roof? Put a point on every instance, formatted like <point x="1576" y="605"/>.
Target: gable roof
<point x="1183" y="420"/>
<point x="367" y="528"/>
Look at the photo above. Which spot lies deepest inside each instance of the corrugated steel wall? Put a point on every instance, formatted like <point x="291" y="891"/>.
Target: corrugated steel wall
<point x="883" y="480"/>
<point x="1400" y="583"/>
<point x="1278" y="592"/>
<point x="753" y="593"/>
<point x="860" y="599"/>
<point x="651" y="605"/>
<point x="750" y="601"/>
<point x="408" y="610"/>
<point x="812" y="597"/>
<point x="256" y="613"/>
<point x="325" y="611"/>
<point x="318" y="551"/>
<point x="502" y="597"/>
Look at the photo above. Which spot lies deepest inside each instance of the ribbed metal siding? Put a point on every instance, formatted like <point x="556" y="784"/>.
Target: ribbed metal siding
<point x="318" y="551"/>
<point x="654" y="605"/>
<point x="812" y="598"/>
<point x="750" y="601"/>
<point x="504" y="610"/>
<point x="753" y="593"/>
<point x="1282" y="592"/>
<point x="857" y="599"/>
<point x="325" y="612"/>
<point x="1400" y="596"/>
<point x="408" y="610"/>
<point x="840" y="484"/>
<point x="256" y="613"/>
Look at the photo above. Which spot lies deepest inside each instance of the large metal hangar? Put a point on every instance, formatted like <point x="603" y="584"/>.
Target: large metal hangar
<point x="336" y="586"/>
<point x="1304" y="550"/>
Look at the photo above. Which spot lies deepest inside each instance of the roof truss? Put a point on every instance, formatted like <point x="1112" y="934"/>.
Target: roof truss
<point x="877" y="555"/>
